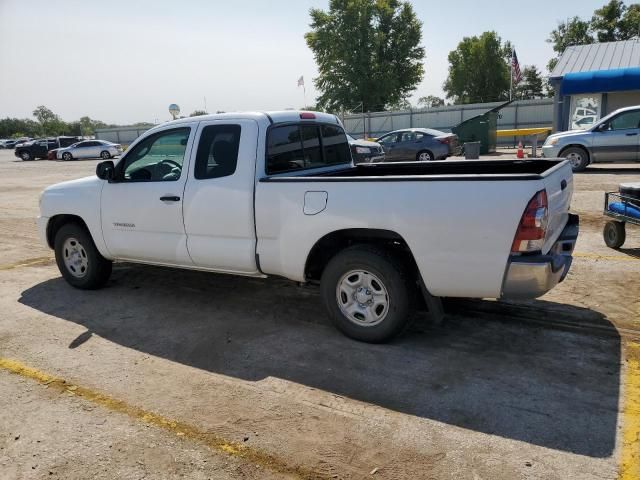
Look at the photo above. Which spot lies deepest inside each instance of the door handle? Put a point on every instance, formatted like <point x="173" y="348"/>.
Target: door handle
<point x="170" y="198"/>
<point x="630" y="134"/>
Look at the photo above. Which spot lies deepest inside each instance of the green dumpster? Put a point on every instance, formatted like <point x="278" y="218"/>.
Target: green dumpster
<point x="481" y="128"/>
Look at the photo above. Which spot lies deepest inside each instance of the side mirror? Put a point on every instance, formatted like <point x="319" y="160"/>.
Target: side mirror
<point x="105" y="170"/>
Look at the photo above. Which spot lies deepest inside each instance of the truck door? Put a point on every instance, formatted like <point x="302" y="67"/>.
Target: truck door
<point x="617" y="140"/>
<point x="218" y="199"/>
<point x="142" y="207"/>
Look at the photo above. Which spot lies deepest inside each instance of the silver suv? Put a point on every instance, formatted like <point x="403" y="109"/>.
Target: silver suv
<point x="615" y="138"/>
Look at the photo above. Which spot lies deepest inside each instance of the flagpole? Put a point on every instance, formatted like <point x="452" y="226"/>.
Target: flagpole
<point x="511" y="77"/>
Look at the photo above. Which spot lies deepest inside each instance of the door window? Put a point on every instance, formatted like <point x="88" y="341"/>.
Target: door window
<point x="625" y="121"/>
<point x="157" y="158"/>
<point x="388" y="139"/>
<point x="218" y="151"/>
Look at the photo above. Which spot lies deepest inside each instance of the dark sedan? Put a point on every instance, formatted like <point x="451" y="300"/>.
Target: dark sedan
<point x="418" y="145"/>
<point x="364" y="151"/>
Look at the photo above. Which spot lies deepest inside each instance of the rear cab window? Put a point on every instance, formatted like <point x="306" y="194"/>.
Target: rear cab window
<point x="295" y="147"/>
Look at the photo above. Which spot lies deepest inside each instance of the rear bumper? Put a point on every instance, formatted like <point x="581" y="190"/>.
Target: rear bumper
<point x="533" y="276"/>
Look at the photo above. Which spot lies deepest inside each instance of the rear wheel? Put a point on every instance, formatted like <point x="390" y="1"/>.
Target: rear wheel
<point x="105" y="155"/>
<point x="424" y="156"/>
<point x="78" y="259"/>
<point x="67" y="156"/>
<point x="366" y="294"/>
<point x="578" y="158"/>
<point x="614" y="234"/>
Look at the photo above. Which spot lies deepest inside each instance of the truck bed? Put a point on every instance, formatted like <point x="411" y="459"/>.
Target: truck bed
<point x="439" y="170"/>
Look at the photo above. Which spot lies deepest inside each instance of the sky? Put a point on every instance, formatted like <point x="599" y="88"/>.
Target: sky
<point x="125" y="61"/>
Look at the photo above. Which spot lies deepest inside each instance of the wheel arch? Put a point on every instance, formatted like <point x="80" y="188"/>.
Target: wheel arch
<point x="577" y="145"/>
<point x="334" y="242"/>
<point x="58" y="221"/>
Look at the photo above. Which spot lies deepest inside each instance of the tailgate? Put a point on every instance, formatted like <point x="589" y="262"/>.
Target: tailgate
<point x="559" y="186"/>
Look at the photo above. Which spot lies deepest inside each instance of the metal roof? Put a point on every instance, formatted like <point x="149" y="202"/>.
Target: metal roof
<point x="598" y="56"/>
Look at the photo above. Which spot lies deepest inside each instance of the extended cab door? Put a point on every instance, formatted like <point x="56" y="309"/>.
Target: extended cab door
<point x="390" y="143"/>
<point x="142" y="207"/>
<point x="617" y="140"/>
<point x="218" y="200"/>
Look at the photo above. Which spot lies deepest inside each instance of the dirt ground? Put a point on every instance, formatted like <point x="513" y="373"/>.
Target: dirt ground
<point x="169" y="374"/>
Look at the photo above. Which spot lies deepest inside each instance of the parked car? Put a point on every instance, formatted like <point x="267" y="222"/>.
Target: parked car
<point x="40" y="147"/>
<point x="364" y="151"/>
<point x="13" y="143"/>
<point x="418" y="145"/>
<point x="615" y="138"/>
<point x="90" y="149"/>
<point x="277" y="194"/>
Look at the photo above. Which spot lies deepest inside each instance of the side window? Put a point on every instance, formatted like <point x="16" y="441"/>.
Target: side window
<point x="625" y="121"/>
<point x="218" y="151"/>
<point x="292" y="147"/>
<point x="388" y="139"/>
<point x="284" y="149"/>
<point x="336" y="147"/>
<point x="157" y="158"/>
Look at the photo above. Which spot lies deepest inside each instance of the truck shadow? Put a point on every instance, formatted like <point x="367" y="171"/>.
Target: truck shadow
<point x="491" y="368"/>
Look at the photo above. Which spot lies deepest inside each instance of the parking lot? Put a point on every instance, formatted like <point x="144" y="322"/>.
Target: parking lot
<point x="167" y="373"/>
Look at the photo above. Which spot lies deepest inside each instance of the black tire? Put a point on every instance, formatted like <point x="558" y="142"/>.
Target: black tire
<point x="105" y="155"/>
<point x="390" y="272"/>
<point x="424" y="152"/>
<point x="66" y="156"/>
<point x="614" y="234"/>
<point x="97" y="270"/>
<point x="26" y="156"/>
<point x="578" y="157"/>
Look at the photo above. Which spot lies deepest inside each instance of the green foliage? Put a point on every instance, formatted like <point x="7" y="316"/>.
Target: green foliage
<point x="479" y="70"/>
<point x="402" y="104"/>
<point x="430" y="101"/>
<point x="572" y="32"/>
<point x="367" y="51"/>
<point x="612" y="22"/>
<point x="531" y="86"/>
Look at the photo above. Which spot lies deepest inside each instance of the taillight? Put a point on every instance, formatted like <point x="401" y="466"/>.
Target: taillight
<point x="445" y="140"/>
<point x="532" y="229"/>
<point x="307" y="116"/>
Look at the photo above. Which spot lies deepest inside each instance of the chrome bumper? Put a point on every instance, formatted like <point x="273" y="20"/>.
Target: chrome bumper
<point x="533" y="276"/>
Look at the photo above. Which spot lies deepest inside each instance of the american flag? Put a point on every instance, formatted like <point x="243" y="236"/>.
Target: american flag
<point x="515" y="68"/>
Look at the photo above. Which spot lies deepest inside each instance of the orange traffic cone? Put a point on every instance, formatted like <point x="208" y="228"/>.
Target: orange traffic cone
<point x="520" y="150"/>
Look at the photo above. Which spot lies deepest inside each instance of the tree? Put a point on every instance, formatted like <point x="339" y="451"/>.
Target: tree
<point x="430" y="101"/>
<point x="572" y="32"/>
<point x="49" y="121"/>
<point x="197" y="113"/>
<point x="479" y="70"/>
<point x="402" y="104"/>
<point x="605" y="22"/>
<point x="629" y="26"/>
<point x="367" y="51"/>
<point x="531" y="86"/>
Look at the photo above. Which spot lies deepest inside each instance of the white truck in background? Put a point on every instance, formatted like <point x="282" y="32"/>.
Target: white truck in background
<point x="277" y="194"/>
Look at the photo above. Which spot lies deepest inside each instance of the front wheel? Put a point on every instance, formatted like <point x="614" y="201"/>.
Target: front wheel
<point x="25" y="156"/>
<point x="78" y="259"/>
<point x="578" y="158"/>
<point x="66" y="156"/>
<point x="614" y="234"/>
<point x="366" y="294"/>
<point x="105" y="155"/>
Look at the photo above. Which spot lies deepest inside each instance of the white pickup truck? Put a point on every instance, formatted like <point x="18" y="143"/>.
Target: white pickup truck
<point x="277" y="194"/>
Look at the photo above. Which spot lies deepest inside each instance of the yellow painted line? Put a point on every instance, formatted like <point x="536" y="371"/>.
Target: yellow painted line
<point x="596" y="256"/>
<point x="630" y="456"/>
<point x="175" y="427"/>
<point x="27" y="263"/>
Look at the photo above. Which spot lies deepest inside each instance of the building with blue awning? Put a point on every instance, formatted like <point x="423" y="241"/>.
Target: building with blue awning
<point x="591" y="81"/>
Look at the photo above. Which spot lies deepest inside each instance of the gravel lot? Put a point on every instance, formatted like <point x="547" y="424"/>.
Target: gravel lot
<point x="170" y="373"/>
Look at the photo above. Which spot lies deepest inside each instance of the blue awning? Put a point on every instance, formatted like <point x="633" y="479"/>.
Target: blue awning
<point x="601" y="81"/>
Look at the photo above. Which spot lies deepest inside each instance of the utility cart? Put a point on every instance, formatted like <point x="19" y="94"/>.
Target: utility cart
<point x="623" y="208"/>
